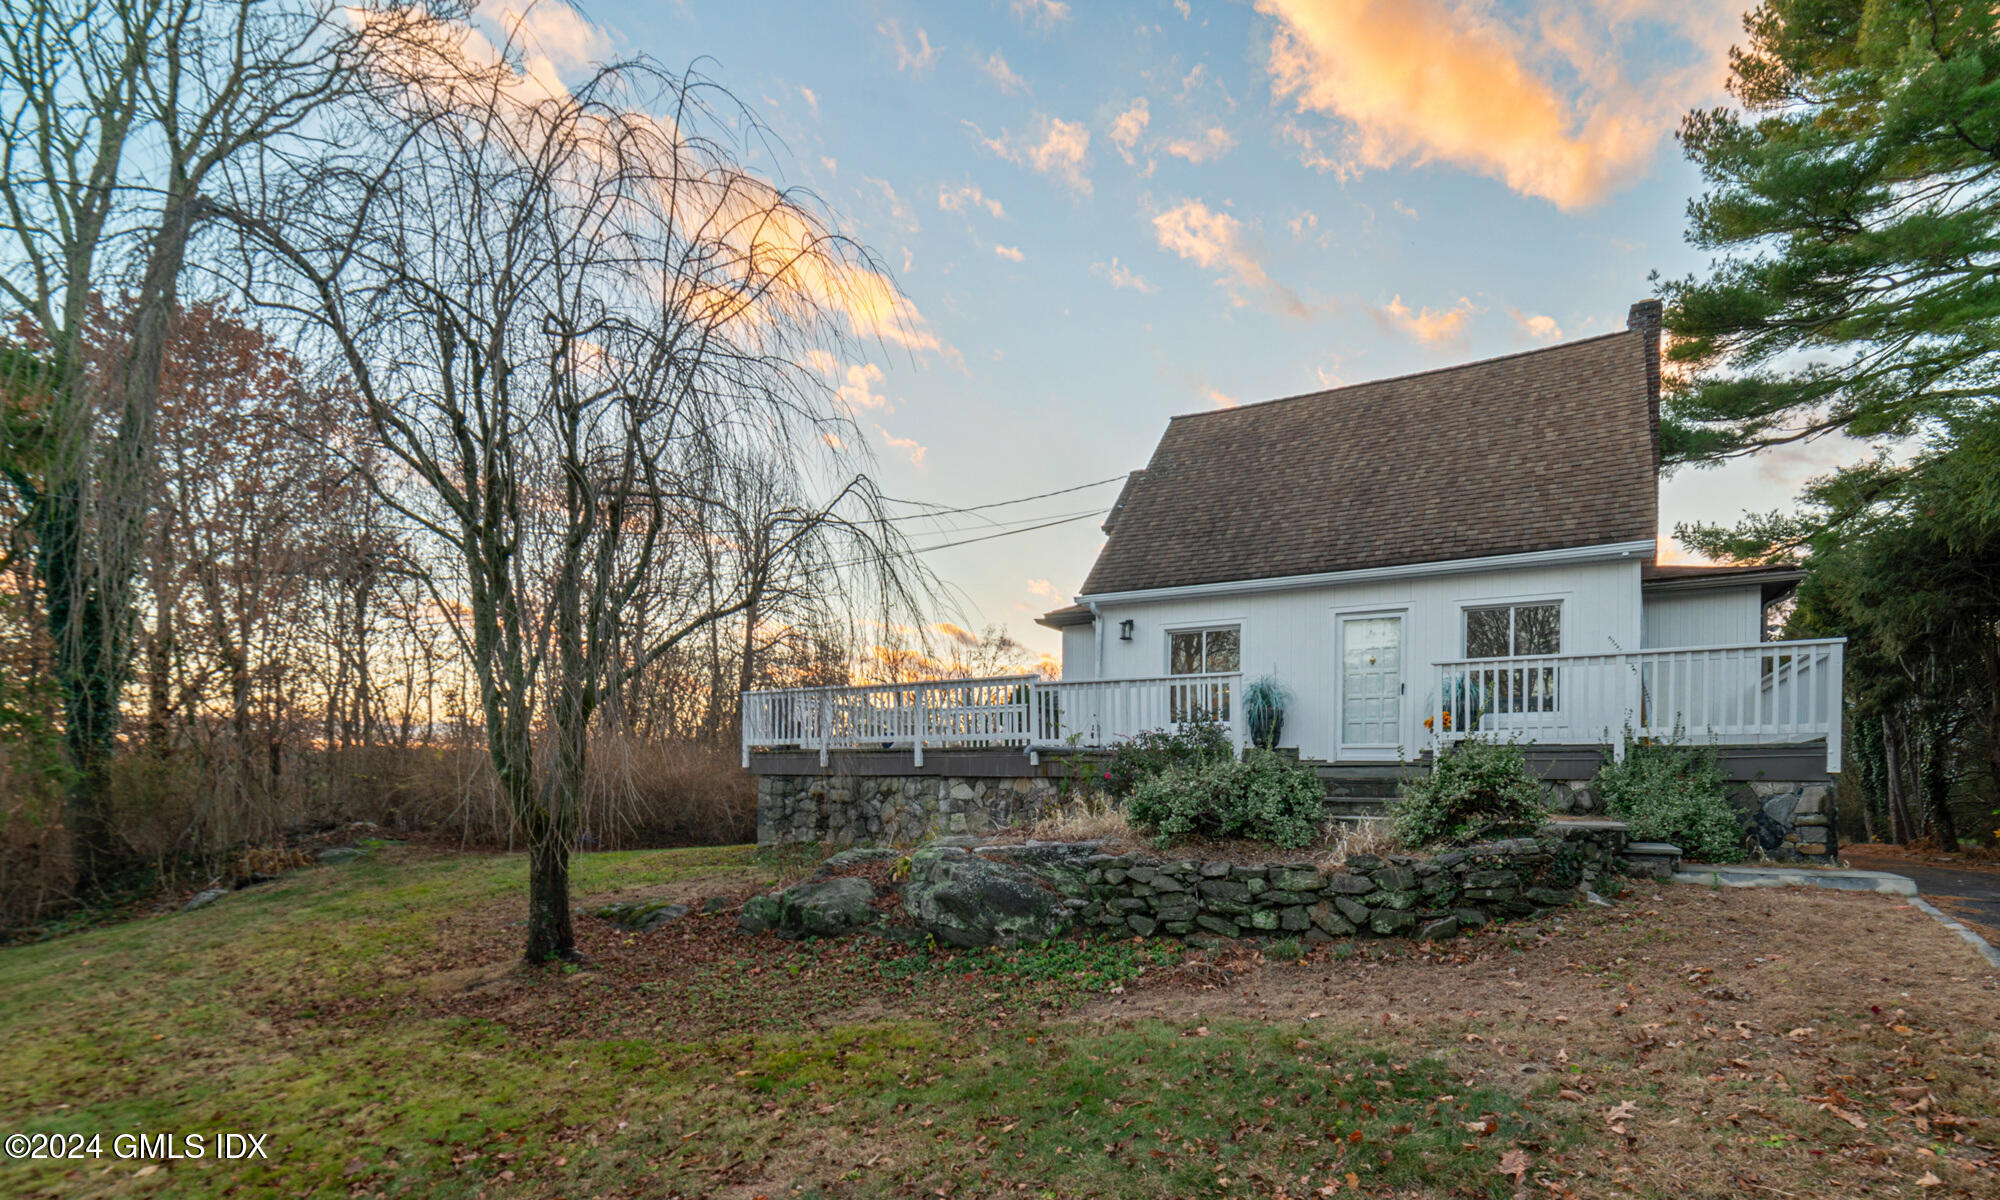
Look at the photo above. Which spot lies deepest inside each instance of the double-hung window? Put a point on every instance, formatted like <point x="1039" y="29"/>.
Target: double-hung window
<point x="1513" y="631"/>
<point x="1214" y="651"/>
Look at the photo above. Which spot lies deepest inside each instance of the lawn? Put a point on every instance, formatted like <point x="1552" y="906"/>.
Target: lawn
<point x="367" y="1021"/>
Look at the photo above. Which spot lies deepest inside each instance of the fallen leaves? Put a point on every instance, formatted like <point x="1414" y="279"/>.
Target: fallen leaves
<point x="1514" y="1165"/>
<point x="1617" y="1116"/>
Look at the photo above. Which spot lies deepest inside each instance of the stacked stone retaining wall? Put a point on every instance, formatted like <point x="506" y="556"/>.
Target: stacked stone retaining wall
<point x="1385" y="896"/>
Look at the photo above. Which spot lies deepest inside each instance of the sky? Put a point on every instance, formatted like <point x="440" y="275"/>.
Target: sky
<point x="1105" y="214"/>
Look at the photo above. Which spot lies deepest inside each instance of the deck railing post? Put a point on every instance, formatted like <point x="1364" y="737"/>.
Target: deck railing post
<point x="922" y="726"/>
<point x="743" y="725"/>
<point x="1836" y="715"/>
<point x="825" y="721"/>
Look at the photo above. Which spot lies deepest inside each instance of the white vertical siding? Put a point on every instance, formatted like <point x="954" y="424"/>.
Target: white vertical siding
<point x="1703" y="617"/>
<point x="1079" y="653"/>
<point x="1294" y="634"/>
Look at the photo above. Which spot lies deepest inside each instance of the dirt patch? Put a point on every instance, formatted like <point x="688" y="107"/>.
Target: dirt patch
<point x="734" y="886"/>
<point x="466" y="981"/>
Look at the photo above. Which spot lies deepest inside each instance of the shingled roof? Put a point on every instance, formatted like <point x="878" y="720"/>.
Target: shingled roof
<point x="1544" y="450"/>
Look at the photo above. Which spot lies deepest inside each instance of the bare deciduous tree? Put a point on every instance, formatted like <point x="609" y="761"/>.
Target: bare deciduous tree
<point x="119" y="123"/>
<point x="577" y="324"/>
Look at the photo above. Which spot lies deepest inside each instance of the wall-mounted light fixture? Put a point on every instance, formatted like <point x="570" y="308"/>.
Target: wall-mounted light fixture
<point x="1124" y="631"/>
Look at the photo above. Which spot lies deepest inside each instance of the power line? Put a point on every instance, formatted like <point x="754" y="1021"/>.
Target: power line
<point x="941" y="510"/>
<point x="916" y="550"/>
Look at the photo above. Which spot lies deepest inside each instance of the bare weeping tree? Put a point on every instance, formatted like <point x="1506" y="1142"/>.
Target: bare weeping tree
<point x="119" y="122"/>
<point x="574" y="319"/>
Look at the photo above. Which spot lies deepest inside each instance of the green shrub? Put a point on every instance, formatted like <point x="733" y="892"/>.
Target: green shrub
<point x="1265" y="798"/>
<point x="1672" y="793"/>
<point x="1186" y="799"/>
<point x="1190" y="744"/>
<point x="1476" y="789"/>
<point x="1283" y="803"/>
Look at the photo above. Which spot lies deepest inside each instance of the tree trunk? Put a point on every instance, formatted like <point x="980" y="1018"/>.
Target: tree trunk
<point x="1937" y="782"/>
<point x="1892" y="750"/>
<point x="87" y="568"/>
<point x="550" y="936"/>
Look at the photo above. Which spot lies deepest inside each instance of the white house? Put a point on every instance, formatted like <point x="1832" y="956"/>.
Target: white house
<point x="1414" y="560"/>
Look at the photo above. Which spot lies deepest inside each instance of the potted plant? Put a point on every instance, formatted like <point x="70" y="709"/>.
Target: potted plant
<point x="1264" y="701"/>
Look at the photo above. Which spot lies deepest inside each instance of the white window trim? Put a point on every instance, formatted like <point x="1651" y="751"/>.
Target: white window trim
<point x="1561" y="600"/>
<point x="1167" y="633"/>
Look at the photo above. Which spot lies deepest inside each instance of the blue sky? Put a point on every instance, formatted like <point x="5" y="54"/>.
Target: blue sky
<point x="1105" y="214"/>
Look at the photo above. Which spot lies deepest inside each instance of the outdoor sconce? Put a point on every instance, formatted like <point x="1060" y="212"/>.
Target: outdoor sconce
<point x="1124" y="631"/>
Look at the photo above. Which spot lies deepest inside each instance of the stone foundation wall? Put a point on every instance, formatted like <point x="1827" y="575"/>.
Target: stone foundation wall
<point x="1384" y="896"/>
<point x="1788" y="821"/>
<point x="843" y="810"/>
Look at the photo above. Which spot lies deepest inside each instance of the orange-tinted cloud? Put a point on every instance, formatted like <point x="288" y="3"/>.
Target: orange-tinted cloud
<point x="1213" y="142"/>
<point x="968" y="196"/>
<point x="910" y="446"/>
<point x="1002" y="75"/>
<point x="1668" y="551"/>
<point x="1548" y="110"/>
<point x="957" y="633"/>
<point x="1057" y="148"/>
<point x="1536" y="327"/>
<point x="1046" y="592"/>
<point x="1042" y="12"/>
<point x="914" y="54"/>
<point x="1428" y="325"/>
<point x="1122" y="276"/>
<point x="1216" y="242"/>
<point x="1129" y="126"/>
<point x="856" y="391"/>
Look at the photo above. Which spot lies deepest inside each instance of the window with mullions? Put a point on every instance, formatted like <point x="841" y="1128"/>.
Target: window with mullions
<point x="1217" y="651"/>
<point x="1514" y="631"/>
<point x="1205" y="651"/>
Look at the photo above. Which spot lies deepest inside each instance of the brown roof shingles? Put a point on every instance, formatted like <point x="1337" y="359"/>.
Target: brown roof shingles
<point x="1544" y="450"/>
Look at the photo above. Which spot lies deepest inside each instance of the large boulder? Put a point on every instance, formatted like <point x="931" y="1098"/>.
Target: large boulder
<point x="963" y="899"/>
<point x="1063" y="865"/>
<point x="642" y="916"/>
<point x="816" y="908"/>
<point x="827" y="908"/>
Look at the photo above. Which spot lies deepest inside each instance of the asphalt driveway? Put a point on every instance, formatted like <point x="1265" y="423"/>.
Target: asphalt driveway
<point x="1970" y="893"/>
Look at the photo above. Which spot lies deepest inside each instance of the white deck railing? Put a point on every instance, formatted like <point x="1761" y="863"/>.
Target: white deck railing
<point x="1014" y="710"/>
<point x="1761" y="694"/>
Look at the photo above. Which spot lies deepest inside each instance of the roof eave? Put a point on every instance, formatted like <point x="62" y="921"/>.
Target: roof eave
<point x="1604" y="552"/>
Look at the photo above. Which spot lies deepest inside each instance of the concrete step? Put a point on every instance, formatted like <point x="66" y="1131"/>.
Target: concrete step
<point x="1357" y="806"/>
<point x="1364" y="780"/>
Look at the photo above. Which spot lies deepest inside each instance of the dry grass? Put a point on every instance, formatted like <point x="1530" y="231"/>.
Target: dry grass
<point x="34" y="846"/>
<point x="638" y="793"/>
<point x="1090" y="817"/>
<point x="191" y="814"/>
<point x="1783" y="1042"/>
<point x="1368" y="836"/>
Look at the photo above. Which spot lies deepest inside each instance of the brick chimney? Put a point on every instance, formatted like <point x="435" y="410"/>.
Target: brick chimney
<point x="1645" y="320"/>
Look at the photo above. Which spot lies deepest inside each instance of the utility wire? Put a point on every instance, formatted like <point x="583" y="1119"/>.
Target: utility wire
<point x="944" y="511"/>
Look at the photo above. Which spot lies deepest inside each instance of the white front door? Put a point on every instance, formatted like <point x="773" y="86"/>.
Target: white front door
<point x="1371" y="684"/>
